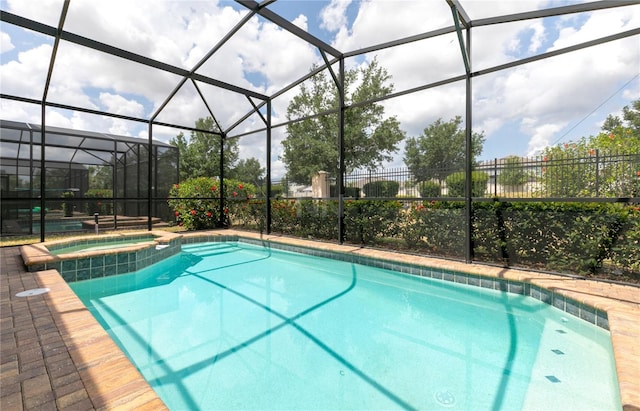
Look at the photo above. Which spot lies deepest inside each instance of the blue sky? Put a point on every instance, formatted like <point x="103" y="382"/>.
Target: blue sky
<point x="521" y="110"/>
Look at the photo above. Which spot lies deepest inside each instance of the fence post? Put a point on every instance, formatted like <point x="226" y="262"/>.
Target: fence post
<point x="597" y="173"/>
<point x="495" y="177"/>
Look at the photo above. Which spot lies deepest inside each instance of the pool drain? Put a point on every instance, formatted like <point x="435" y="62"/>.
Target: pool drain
<point x="445" y="398"/>
<point x="35" y="291"/>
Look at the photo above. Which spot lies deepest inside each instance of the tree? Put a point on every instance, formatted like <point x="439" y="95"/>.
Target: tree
<point x="100" y="177"/>
<point x="248" y="170"/>
<point x="512" y="173"/>
<point x="630" y="121"/>
<point x="597" y="166"/>
<point x="440" y="150"/>
<point x="311" y="145"/>
<point x="200" y="154"/>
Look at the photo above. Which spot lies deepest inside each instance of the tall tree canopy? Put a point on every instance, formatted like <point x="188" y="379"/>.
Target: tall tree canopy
<point x="629" y="123"/>
<point x="440" y="150"/>
<point x="311" y="145"/>
<point x="200" y="154"/>
<point x="248" y="170"/>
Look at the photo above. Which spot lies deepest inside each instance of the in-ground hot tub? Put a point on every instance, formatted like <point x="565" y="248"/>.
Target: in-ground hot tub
<point x="101" y="255"/>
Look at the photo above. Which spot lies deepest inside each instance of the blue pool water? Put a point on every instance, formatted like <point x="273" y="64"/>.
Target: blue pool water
<point x="236" y="326"/>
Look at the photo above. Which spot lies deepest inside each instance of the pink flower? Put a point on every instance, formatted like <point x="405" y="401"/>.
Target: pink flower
<point x="235" y="194"/>
<point x="177" y="213"/>
<point x="209" y="214"/>
<point x="193" y="212"/>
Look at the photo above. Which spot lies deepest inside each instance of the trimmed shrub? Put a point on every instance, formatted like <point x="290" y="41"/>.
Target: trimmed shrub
<point x="455" y="184"/>
<point x="429" y="189"/>
<point x="68" y="206"/>
<point x="381" y="189"/>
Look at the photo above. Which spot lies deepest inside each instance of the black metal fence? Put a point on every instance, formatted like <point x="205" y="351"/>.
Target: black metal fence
<point x="597" y="175"/>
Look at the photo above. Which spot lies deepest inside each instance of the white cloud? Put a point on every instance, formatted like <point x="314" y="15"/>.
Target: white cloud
<point x="382" y="21"/>
<point x="43" y="11"/>
<point x="538" y="37"/>
<point x="5" y="42"/>
<point x="541" y="135"/>
<point x="334" y="16"/>
<point x="559" y="92"/>
<point x="301" y="21"/>
<point x="114" y="103"/>
<point x="26" y="76"/>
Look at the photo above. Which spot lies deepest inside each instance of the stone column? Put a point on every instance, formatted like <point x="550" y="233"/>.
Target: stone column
<point x="320" y="185"/>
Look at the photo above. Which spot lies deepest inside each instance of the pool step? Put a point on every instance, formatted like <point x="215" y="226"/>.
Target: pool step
<point x="202" y="250"/>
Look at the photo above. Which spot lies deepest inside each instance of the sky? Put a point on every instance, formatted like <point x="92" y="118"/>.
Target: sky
<point x="520" y="110"/>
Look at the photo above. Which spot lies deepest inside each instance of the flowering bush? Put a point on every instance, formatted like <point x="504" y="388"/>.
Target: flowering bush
<point x="196" y="202"/>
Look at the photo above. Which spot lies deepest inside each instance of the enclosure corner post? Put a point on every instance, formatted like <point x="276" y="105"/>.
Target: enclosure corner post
<point x="468" y="155"/>
<point x="268" y="202"/>
<point x="149" y="179"/>
<point x="221" y="193"/>
<point x="340" y="180"/>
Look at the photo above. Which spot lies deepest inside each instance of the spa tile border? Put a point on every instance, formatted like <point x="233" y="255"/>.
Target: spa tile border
<point x="101" y="263"/>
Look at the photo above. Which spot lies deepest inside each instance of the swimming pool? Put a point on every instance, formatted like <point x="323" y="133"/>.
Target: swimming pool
<point x="235" y="326"/>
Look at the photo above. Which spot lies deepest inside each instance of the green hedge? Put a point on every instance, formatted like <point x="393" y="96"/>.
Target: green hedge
<point x="368" y="221"/>
<point x="436" y="227"/>
<point x="579" y="238"/>
<point x="582" y="238"/>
